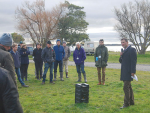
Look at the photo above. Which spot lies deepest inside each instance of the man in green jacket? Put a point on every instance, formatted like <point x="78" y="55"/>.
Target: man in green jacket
<point x="101" y="58"/>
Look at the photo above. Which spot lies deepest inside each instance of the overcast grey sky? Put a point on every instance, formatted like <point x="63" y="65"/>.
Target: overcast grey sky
<point x="99" y="14"/>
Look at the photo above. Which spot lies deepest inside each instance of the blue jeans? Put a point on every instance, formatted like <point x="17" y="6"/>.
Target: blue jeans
<point x="80" y="68"/>
<point x="60" y="66"/>
<point x="19" y="75"/>
<point x="46" y="67"/>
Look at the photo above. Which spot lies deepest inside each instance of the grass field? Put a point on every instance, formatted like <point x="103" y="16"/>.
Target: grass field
<point x="60" y="97"/>
<point x="114" y="58"/>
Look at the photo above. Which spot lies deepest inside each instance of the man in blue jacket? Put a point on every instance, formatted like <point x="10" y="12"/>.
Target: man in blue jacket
<point x="48" y="56"/>
<point x="60" y="54"/>
<point x="17" y="63"/>
<point x="128" y="59"/>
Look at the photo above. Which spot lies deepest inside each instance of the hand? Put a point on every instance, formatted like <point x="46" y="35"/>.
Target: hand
<point x="121" y="53"/>
<point x="132" y="74"/>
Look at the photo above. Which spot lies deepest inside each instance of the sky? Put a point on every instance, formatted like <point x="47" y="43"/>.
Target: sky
<point x="99" y="14"/>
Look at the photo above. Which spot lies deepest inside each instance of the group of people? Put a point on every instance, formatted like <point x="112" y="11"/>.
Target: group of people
<point x="17" y="59"/>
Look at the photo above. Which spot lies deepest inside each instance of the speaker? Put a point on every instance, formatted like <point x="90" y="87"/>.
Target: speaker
<point x="82" y="93"/>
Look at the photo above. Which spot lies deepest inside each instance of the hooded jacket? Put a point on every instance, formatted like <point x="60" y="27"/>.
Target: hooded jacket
<point x="101" y="51"/>
<point x="79" y="56"/>
<point x="24" y="56"/>
<point x="60" y="52"/>
<point x="9" y="97"/>
<point x="67" y="53"/>
<point x="6" y="62"/>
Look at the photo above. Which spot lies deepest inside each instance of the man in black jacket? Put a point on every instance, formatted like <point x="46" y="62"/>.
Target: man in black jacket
<point x="48" y="56"/>
<point x="38" y="60"/>
<point x="128" y="59"/>
<point x="9" y="97"/>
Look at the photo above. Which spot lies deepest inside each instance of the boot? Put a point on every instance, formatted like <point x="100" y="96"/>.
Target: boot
<point x="103" y="83"/>
<point x="61" y="76"/>
<point x="84" y="74"/>
<point x="67" y="75"/>
<point x="40" y="77"/>
<point x="99" y="83"/>
<point x="22" y="76"/>
<point x="55" y="74"/>
<point x="79" y="77"/>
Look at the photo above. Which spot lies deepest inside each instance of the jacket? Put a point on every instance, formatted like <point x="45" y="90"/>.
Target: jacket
<point x="60" y="52"/>
<point x="9" y="97"/>
<point x="102" y="53"/>
<point x="79" y="56"/>
<point x="128" y="63"/>
<point x="37" y="55"/>
<point x="48" y="55"/>
<point x="67" y="53"/>
<point x="16" y="58"/>
<point x="24" y="56"/>
<point x="6" y="62"/>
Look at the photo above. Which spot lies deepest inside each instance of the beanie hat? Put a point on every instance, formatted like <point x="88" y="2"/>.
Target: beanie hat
<point x="6" y="39"/>
<point x="101" y="40"/>
<point x="49" y="42"/>
<point x="64" y="42"/>
<point x="58" y="40"/>
<point x="21" y="42"/>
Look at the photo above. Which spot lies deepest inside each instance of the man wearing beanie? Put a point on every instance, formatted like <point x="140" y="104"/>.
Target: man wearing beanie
<point x="48" y="56"/>
<point x="66" y="58"/>
<point x="60" y="54"/>
<point x="6" y="60"/>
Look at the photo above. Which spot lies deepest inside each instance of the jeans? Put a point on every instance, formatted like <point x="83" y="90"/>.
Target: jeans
<point x="19" y="75"/>
<point x="60" y="66"/>
<point x="80" y="68"/>
<point x="46" y="67"/>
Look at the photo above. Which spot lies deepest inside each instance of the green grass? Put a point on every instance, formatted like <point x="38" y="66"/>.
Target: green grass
<point x="114" y="58"/>
<point x="60" y="97"/>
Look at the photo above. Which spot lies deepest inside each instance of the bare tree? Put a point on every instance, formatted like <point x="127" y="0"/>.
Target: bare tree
<point x="134" y="23"/>
<point x="38" y="23"/>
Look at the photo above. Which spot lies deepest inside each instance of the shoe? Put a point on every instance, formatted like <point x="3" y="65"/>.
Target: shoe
<point x="25" y="85"/>
<point x="52" y="82"/>
<point x="43" y="83"/>
<point x="99" y="83"/>
<point x="103" y="83"/>
<point x="123" y="107"/>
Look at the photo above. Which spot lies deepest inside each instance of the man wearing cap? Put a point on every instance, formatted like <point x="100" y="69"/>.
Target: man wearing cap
<point x="66" y="58"/>
<point x="6" y="60"/>
<point x="37" y="52"/>
<point x="20" y="45"/>
<point x="60" y="54"/>
<point x="101" y="58"/>
<point x="48" y="56"/>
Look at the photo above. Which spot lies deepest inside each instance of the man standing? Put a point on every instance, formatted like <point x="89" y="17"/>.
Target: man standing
<point x="48" y="56"/>
<point x="66" y="58"/>
<point x="9" y="97"/>
<point x="6" y="60"/>
<point x="101" y="58"/>
<point x="17" y="63"/>
<point x="128" y="59"/>
<point x="38" y="60"/>
<point x="20" y="46"/>
<point x="60" y="54"/>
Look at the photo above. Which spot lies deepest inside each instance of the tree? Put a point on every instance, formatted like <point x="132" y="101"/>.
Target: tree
<point x="38" y="23"/>
<point x="134" y="23"/>
<point x="17" y="37"/>
<point x="72" y="26"/>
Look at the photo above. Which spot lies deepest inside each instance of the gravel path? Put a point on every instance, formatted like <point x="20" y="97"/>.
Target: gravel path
<point x="140" y="67"/>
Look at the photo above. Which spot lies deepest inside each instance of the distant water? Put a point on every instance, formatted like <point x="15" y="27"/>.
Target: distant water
<point x="118" y="48"/>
